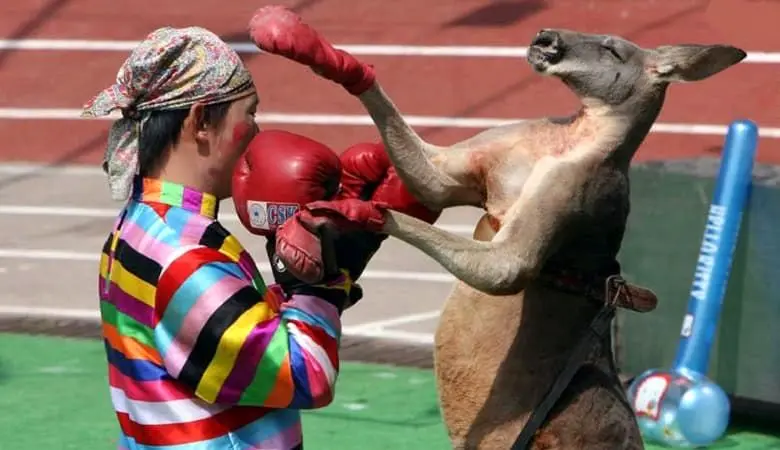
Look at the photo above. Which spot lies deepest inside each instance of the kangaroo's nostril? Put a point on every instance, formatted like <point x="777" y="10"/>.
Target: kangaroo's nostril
<point x="547" y="38"/>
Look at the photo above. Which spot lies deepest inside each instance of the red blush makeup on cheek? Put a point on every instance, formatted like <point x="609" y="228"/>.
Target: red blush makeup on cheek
<point x="241" y="133"/>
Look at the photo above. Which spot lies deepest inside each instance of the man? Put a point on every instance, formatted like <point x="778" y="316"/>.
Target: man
<point x="202" y="354"/>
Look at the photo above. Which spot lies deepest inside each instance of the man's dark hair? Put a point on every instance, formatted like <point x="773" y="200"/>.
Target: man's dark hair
<point x="162" y="129"/>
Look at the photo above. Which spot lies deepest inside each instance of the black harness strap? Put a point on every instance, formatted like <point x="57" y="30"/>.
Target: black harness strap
<point x="597" y="330"/>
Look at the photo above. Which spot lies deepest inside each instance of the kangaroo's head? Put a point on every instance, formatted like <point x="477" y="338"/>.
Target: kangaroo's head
<point x="617" y="73"/>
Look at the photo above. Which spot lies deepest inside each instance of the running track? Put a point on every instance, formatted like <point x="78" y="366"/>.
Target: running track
<point x="42" y="90"/>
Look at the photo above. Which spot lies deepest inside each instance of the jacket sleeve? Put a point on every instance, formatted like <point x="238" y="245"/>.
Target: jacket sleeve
<point x="232" y="341"/>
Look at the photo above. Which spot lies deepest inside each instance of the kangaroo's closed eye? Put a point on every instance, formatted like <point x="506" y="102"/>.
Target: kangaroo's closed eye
<point x="613" y="52"/>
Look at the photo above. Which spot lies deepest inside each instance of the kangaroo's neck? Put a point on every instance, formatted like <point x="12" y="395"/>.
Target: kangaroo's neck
<point x="616" y="132"/>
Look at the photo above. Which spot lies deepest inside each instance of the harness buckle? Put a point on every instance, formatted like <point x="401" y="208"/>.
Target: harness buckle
<point x="616" y="283"/>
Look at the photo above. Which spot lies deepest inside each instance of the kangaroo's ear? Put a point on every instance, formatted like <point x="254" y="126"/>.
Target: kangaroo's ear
<point x="691" y="62"/>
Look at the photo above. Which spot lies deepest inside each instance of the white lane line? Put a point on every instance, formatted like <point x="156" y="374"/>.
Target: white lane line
<point x="396" y="321"/>
<point x="94" y="316"/>
<point x="408" y="337"/>
<point x="60" y="255"/>
<point x="365" y="120"/>
<point x="25" y="210"/>
<point x="33" y="169"/>
<point x="50" y="255"/>
<point x="91" y="45"/>
<point x="35" y="312"/>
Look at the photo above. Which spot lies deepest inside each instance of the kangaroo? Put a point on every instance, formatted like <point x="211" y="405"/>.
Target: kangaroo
<point x="555" y="192"/>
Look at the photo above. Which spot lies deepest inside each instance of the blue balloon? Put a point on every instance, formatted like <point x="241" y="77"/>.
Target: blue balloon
<point x="679" y="410"/>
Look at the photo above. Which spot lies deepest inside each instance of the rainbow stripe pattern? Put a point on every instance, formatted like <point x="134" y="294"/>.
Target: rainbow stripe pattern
<point x="201" y="354"/>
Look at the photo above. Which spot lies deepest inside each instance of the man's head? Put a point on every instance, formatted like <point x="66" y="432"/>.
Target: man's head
<point x="198" y="146"/>
<point x="188" y="106"/>
<point x="615" y="71"/>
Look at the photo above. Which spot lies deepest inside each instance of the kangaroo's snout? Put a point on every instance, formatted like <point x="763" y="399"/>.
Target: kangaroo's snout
<point x="547" y="48"/>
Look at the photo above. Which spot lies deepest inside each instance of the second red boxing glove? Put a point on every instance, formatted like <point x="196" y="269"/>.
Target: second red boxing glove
<point x="368" y="174"/>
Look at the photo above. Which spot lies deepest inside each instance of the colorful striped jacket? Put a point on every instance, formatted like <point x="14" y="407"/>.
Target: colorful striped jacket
<point x="201" y="354"/>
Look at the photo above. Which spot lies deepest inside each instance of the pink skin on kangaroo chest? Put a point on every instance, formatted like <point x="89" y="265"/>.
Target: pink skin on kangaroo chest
<point x="503" y="181"/>
<point x="502" y="167"/>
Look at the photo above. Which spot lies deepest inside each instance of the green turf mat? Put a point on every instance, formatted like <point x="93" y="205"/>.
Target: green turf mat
<point x="54" y="395"/>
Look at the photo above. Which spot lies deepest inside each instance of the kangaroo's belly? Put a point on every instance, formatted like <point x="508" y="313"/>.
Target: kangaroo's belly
<point x="495" y="358"/>
<point x="472" y="343"/>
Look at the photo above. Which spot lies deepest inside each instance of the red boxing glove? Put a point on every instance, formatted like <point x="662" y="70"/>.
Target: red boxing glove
<point x="304" y="244"/>
<point x="368" y="174"/>
<point x="278" y="30"/>
<point x="363" y="167"/>
<point x="279" y="174"/>
<point x="369" y="185"/>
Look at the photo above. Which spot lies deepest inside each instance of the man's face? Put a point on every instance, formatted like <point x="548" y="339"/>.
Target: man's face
<point x="230" y="141"/>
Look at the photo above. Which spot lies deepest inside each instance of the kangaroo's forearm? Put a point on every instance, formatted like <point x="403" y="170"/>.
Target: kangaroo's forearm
<point x="482" y="265"/>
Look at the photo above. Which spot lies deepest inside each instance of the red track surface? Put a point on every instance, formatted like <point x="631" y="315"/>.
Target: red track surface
<point x="453" y="87"/>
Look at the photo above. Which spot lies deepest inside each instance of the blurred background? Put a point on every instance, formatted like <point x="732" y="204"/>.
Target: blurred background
<point x="453" y="68"/>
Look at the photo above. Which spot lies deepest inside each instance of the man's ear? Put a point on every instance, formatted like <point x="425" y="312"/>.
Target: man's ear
<point x="691" y="62"/>
<point x="195" y="123"/>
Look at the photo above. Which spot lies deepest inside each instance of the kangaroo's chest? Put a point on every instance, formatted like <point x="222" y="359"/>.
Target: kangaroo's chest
<point x="598" y="193"/>
<point x="504" y="184"/>
<point x="528" y="149"/>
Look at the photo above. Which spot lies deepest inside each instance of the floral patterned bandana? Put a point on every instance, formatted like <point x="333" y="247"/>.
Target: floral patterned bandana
<point x="172" y="68"/>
